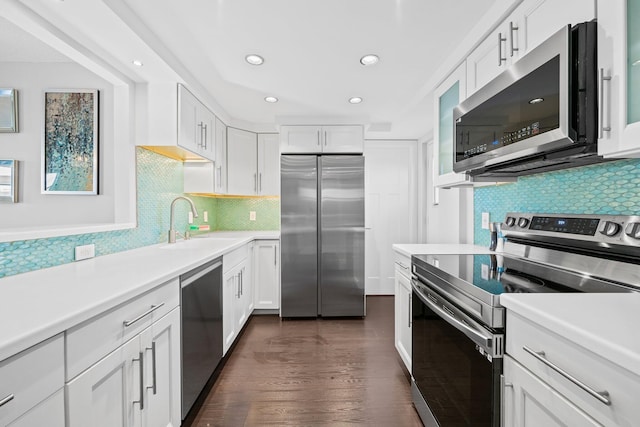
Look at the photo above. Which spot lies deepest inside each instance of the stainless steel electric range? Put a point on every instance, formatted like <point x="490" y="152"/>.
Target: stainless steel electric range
<point x="459" y="325"/>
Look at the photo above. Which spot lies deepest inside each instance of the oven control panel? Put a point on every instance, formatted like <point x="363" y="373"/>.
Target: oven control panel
<point x="616" y="229"/>
<point x="585" y="226"/>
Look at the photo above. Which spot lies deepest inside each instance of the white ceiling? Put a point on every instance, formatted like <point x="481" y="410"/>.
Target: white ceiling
<point x="311" y="50"/>
<point x="17" y="45"/>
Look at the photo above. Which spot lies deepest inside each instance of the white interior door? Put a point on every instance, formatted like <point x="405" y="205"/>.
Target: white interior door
<point x="391" y="208"/>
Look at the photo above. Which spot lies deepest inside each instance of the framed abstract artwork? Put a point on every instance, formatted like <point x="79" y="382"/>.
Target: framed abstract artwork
<point x="70" y="146"/>
<point x="8" y="110"/>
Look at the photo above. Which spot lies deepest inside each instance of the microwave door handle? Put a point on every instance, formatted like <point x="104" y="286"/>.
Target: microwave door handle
<point x="475" y="336"/>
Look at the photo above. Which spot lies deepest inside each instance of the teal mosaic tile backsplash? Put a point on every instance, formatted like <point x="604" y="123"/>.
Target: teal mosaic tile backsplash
<point x="606" y="188"/>
<point x="159" y="181"/>
<point x="233" y="214"/>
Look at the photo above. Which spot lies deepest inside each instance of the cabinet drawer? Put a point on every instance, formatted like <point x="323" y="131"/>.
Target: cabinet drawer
<point x="403" y="264"/>
<point x="30" y="377"/>
<point x="91" y="341"/>
<point x="233" y="258"/>
<point x="582" y="365"/>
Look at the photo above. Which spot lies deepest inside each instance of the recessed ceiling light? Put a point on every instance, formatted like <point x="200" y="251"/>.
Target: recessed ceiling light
<point x="355" y="100"/>
<point x="271" y="99"/>
<point x="137" y="63"/>
<point x="369" y="59"/>
<point x="536" y="100"/>
<point x="254" y="59"/>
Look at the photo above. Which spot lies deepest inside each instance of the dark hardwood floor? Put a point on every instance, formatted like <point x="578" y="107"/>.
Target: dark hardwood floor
<point x="325" y="372"/>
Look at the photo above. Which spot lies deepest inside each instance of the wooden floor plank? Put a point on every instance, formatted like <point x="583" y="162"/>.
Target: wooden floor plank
<point x="324" y="372"/>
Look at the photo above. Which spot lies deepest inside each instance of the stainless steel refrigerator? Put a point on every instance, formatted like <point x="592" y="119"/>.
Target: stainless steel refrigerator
<point x="322" y="235"/>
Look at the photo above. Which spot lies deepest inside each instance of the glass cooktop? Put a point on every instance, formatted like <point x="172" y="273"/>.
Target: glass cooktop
<point x="496" y="274"/>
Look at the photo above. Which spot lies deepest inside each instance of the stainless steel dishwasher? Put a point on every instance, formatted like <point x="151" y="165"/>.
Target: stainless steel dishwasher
<point x="201" y="307"/>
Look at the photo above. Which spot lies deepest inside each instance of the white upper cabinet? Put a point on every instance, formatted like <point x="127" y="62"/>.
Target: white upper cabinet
<point x="447" y="96"/>
<point x="300" y="139"/>
<point x="619" y="62"/>
<point x="253" y="163"/>
<point x="171" y="121"/>
<point x="268" y="164"/>
<point x="242" y="162"/>
<point x="209" y="177"/>
<point x="196" y="125"/>
<point x="342" y="139"/>
<point x="531" y="23"/>
<point x="493" y="55"/>
<point x="321" y="139"/>
<point x="220" y="172"/>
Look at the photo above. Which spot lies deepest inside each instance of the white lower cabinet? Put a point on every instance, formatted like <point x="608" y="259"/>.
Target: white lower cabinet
<point x="266" y="274"/>
<point x="138" y="384"/>
<point x="403" y="308"/>
<point x="31" y="385"/>
<point x="161" y="346"/>
<point x="123" y="366"/>
<point x="549" y="380"/>
<point x="109" y="394"/>
<point x="49" y="413"/>
<point x="530" y="402"/>
<point x="237" y="298"/>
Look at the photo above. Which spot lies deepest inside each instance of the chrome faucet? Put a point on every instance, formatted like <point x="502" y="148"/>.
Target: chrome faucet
<point x="172" y="231"/>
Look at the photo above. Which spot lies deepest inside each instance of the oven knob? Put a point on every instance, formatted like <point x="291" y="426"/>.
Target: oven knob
<point x="523" y="222"/>
<point x="511" y="221"/>
<point x="633" y="230"/>
<point x="610" y="228"/>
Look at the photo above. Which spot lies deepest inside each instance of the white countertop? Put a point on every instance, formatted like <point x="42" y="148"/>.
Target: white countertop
<point x="40" y="304"/>
<point x="606" y="324"/>
<point x="409" y="249"/>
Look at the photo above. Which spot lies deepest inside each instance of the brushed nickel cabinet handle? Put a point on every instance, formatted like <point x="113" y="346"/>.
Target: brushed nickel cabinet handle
<point x="205" y="136"/>
<point x="318" y="136"/>
<point x="602" y="127"/>
<point x="503" y="389"/>
<point x="602" y="396"/>
<point x="153" y="387"/>
<point x="153" y="308"/>
<point x="501" y="59"/>
<point x="512" y="29"/>
<point x="6" y="400"/>
<point x="140" y="359"/>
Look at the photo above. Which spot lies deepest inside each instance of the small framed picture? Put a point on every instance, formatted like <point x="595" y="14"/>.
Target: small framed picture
<point x="8" y="181"/>
<point x="8" y="110"/>
<point x="70" y="147"/>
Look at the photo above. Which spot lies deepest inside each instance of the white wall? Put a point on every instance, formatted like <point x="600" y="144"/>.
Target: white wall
<point x="451" y="219"/>
<point x="36" y="210"/>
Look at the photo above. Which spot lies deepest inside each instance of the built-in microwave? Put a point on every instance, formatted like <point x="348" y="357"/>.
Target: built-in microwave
<point x="538" y="115"/>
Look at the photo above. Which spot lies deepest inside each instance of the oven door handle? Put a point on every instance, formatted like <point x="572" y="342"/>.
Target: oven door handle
<point x="478" y="338"/>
